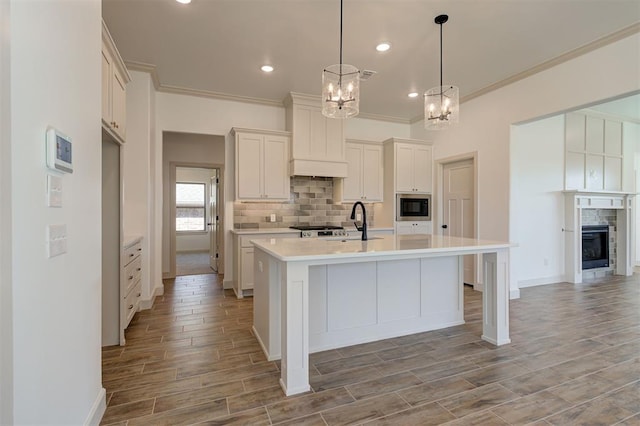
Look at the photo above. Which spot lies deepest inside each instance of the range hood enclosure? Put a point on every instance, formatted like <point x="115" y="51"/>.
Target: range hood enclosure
<point x="317" y="142"/>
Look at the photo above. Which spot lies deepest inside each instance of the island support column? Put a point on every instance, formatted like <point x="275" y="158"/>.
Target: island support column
<point x="295" y="327"/>
<point x="495" y="298"/>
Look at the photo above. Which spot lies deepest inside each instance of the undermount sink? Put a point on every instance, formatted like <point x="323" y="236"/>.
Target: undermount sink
<point x="350" y="238"/>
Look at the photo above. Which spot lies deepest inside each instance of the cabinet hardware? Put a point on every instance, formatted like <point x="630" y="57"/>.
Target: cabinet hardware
<point x="131" y="255"/>
<point x="139" y="269"/>
<point x="130" y="307"/>
<point x="139" y="294"/>
<point x="130" y="277"/>
<point x="139" y="249"/>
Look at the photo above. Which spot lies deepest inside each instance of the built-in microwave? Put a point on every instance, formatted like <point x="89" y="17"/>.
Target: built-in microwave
<point x="413" y="207"/>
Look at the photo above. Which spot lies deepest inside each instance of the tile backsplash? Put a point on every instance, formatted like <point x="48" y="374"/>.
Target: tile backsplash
<point x="310" y="203"/>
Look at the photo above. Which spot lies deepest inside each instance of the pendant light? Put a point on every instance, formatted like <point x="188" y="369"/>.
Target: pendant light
<point x="340" y="87"/>
<point x="441" y="105"/>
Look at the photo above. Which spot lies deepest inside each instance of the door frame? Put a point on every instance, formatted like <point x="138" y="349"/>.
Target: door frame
<point x="172" y="211"/>
<point x="438" y="206"/>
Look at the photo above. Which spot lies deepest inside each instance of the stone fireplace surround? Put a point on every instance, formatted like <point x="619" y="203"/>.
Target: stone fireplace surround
<point x="590" y="208"/>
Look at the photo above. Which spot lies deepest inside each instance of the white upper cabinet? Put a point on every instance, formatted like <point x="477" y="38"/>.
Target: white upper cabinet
<point x="317" y="146"/>
<point x="261" y="165"/>
<point x="596" y="157"/>
<point x="365" y="173"/>
<point x="114" y="94"/>
<point x="413" y="168"/>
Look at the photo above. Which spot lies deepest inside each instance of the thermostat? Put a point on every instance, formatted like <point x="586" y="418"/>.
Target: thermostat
<point x="59" y="151"/>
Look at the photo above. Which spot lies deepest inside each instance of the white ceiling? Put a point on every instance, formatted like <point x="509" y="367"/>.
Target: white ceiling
<point x="218" y="46"/>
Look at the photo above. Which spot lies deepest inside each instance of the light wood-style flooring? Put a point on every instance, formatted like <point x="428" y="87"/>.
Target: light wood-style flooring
<point x="574" y="360"/>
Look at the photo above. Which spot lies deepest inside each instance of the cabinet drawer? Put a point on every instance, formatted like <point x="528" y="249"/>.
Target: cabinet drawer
<point x="132" y="274"/>
<point x="131" y="303"/>
<point x="130" y="253"/>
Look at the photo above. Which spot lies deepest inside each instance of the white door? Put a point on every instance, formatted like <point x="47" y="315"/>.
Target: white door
<point x="214" y="219"/>
<point x="458" y="212"/>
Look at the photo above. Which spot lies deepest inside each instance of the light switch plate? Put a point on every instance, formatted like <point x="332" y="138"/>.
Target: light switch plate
<point x="54" y="191"/>
<point x="56" y="240"/>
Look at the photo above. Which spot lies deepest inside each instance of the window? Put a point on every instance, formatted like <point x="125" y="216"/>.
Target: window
<point x="190" y="207"/>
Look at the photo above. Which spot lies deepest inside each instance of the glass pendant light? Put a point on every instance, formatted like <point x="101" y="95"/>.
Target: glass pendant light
<point x="340" y="87"/>
<point x="441" y="104"/>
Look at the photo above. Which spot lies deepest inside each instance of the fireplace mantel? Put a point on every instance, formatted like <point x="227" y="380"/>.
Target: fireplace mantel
<point x="575" y="202"/>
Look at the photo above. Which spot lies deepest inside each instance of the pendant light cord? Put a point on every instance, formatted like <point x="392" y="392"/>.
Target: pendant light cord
<point x="441" y="91"/>
<point x="340" y="36"/>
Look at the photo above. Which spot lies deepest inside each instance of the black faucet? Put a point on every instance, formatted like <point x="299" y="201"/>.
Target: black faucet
<point x="363" y="228"/>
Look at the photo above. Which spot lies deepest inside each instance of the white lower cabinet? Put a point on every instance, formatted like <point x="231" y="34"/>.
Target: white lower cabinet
<point x="130" y="283"/>
<point x="243" y="259"/>
<point x="419" y="227"/>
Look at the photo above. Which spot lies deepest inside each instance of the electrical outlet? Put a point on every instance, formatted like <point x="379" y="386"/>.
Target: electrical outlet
<point x="358" y="216"/>
<point x="272" y="217"/>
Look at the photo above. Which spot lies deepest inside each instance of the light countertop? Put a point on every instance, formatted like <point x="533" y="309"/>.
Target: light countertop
<point x="387" y="245"/>
<point x="251" y="231"/>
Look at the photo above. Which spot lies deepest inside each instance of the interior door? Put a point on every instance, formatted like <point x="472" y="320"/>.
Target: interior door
<point x="458" y="198"/>
<point x="214" y="218"/>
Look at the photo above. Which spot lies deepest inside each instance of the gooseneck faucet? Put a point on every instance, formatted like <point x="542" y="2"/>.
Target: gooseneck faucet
<point x="363" y="228"/>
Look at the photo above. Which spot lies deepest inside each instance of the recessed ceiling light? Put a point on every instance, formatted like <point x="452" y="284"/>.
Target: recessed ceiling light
<point x="184" y="1"/>
<point x="383" y="47"/>
<point x="266" y="68"/>
<point x="413" y="95"/>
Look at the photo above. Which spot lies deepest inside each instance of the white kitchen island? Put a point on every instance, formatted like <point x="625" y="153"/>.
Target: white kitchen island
<point x="317" y="294"/>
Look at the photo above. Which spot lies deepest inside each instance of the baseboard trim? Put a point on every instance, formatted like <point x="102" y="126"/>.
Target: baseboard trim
<point x="98" y="409"/>
<point x="148" y="304"/>
<point x="227" y="284"/>
<point x="541" y="281"/>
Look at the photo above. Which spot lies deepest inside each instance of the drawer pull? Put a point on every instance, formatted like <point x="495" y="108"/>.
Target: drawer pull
<point x="131" y="255"/>
<point x="130" y="307"/>
<point x="139" y="249"/>
<point x="139" y="294"/>
<point x="130" y="277"/>
<point x="139" y="269"/>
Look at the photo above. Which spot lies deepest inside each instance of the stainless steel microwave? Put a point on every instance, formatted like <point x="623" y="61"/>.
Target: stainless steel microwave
<point x="413" y="207"/>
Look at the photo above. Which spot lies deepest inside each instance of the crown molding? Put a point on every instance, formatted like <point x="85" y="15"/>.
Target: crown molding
<point x="217" y="95"/>
<point x="379" y="117"/>
<point x="572" y="54"/>
<point x="148" y="68"/>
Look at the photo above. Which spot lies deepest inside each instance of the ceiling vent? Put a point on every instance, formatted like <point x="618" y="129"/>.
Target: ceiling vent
<point x="367" y="74"/>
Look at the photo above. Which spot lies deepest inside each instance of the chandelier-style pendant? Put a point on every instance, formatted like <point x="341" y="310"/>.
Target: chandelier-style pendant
<point x="441" y="103"/>
<point x="340" y="91"/>
<point x="340" y="87"/>
<point x="441" y="107"/>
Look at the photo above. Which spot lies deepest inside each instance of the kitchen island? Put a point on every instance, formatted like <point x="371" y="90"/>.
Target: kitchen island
<point x="319" y="294"/>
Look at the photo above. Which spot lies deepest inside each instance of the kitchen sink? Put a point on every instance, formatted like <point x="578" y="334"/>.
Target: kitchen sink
<point x="350" y="238"/>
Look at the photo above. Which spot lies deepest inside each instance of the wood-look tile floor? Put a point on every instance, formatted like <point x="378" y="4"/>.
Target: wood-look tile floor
<point x="574" y="360"/>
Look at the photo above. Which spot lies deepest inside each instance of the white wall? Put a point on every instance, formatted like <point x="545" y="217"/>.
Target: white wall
<point x="6" y="306"/>
<point x="374" y="130"/>
<point x="189" y="114"/>
<point x="537" y="201"/>
<point x="608" y="72"/>
<point x="196" y="241"/>
<point x="56" y="305"/>
<point x="186" y="149"/>
<point x="137" y="212"/>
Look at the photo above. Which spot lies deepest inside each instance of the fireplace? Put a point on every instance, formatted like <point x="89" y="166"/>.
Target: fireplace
<point x="595" y="246"/>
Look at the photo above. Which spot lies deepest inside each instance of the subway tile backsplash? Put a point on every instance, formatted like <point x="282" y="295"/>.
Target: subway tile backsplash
<point x="310" y="203"/>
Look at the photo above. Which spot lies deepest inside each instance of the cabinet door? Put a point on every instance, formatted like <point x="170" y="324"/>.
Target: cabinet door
<point x="404" y="168"/>
<point x="422" y="227"/>
<point x="247" y="268"/>
<point x="372" y="173"/>
<point x="352" y="184"/>
<point x="249" y="166"/>
<point x="275" y="175"/>
<point x="422" y="169"/>
<point x="118" y="104"/>
<point x="106" y="84"/>
<point x="404" y="228"/>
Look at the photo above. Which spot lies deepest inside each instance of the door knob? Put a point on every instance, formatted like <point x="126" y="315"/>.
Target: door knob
<point x="444" y="226"/>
